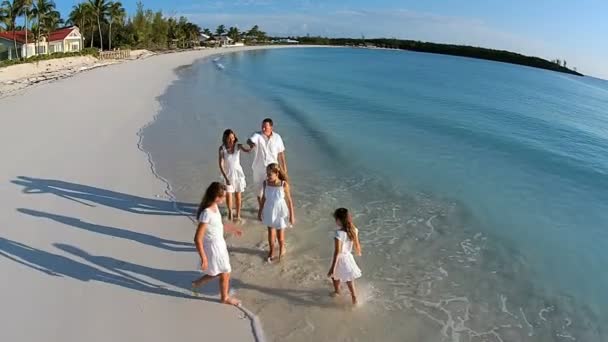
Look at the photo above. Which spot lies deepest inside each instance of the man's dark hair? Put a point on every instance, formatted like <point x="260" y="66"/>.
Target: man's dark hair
<point x="269" y="120"/>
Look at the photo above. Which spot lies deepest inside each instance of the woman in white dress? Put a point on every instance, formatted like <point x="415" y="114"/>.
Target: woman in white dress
<point x="276" y="210"/>
<point x="232" y="172"/>
<point x="210" y="243"/>
<point x="343" y="267"/>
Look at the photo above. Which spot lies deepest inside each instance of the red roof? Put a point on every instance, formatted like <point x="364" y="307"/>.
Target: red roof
<point x="19" y="36"/>
<point x="60" y="34"/>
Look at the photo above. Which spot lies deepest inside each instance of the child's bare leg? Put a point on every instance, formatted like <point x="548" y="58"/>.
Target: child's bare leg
<point x="336" y="286"/>
<point x="351" y="288"/>
<point x="224" y="288"/>
<point x="229" y="204"/>
<point x="272" y="236"/>
<point x="239" y="201"/>
<point x="281" y="237"/>
<point x="201" y="281"/>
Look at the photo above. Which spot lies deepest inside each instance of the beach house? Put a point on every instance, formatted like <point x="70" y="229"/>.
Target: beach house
<point x="67" y="39"/>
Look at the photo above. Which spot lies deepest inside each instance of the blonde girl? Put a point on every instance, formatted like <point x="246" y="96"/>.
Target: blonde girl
<point x="276" y="210"/>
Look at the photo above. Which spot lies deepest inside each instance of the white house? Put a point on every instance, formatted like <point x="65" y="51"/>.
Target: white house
<point x="67" y="39"/>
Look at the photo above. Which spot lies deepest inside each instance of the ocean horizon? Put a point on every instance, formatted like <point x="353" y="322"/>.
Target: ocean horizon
<point x="480" y="190"/>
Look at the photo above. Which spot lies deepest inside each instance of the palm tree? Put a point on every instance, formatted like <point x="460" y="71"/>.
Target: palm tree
<point x="41" y="9"/>
<point x="233" y="33"/>
<point x="12" y="10"/>
<point x="26" y="12"/>
<point x="207" y="32"/>
<point x="220" y="30"/>
<point x="50" y="22"/>
<point x="117" y="15"/>
<point x="101" y="9"/>
<point x="3" y="19"/>
<point x="81" y="15"/>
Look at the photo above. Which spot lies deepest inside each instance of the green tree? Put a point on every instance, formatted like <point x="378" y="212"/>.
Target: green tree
<point x="220" y="30"/>
<point x="207" y="32"/>
<point x="41" y="9"/>
<point x="100" y="9"/>
<point x="116" y="14"/>
<point x="26" y="12"/>
<point x="12" y="10"/>
<point x="234" y="33"/>
<point x="160" y="30"/>
<point x="50" y="22"/>
<point x="82" y="16"/>
<point x="140" y="26"/>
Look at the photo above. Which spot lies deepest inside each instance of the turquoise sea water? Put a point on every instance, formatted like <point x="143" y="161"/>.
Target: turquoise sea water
<point x="480" y="189"/>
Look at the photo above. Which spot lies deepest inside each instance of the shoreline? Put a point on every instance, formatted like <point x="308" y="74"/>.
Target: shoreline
<point x="61" y="173"/>
<point x="17" y="78"/>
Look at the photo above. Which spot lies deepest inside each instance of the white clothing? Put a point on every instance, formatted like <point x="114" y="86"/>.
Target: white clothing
<point x="233" y="169"/>
<point x="214" y="245"/>
<point x="346" y="267"/>
<point x="275" y="213"/>
<point x="266" y="152"/>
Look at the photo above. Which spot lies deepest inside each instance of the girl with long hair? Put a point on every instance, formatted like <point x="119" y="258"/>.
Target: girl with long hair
<point x="343" y="266"/>
<point x="210" y="243"/>
<point x="276" y="209"/>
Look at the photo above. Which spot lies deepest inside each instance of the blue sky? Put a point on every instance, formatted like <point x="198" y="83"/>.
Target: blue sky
<point x="573" y="30"/>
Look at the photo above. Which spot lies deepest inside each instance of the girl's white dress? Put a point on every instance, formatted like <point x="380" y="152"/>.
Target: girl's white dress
<point x="233" y="169"/>
<point x="275" y="213"/>
<point x="346" y="267"/>
<point x="214" y="245"/>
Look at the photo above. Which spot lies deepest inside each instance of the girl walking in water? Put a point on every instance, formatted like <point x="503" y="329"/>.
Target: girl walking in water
<point x="230" y="166"/>
<point x="276" y="209"/>
<point x="210" y="243"/>
<point x="343" y="266"/>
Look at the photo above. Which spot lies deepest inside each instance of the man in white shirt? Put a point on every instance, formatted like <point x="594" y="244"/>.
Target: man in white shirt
<point x="268" y="148"/>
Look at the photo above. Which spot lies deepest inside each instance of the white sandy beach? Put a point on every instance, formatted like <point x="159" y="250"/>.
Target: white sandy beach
<point x="90" y="246"/>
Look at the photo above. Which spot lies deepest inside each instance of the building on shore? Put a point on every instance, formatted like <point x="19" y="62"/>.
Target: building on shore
<point x="67" y="39"/>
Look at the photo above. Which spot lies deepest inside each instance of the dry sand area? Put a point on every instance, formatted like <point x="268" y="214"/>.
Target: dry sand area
<point x="91" y="247"/>
<point x="17" y="77"/>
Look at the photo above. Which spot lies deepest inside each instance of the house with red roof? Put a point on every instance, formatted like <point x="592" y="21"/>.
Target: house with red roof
<point x="67" y="39"/>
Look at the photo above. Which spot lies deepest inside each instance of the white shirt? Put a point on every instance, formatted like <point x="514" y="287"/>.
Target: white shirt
<point x="266" y="152"/>
<point x="215" y="227"/>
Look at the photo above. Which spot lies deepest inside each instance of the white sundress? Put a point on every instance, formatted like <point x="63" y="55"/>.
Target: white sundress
<point x="233" y="169"/>
<point x="214" y="245"/>
<point x="346" y="267"/>
<point x="275" y="213"/>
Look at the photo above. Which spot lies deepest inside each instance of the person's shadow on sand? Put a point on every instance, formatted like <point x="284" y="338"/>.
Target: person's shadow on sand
<point x="60" y="266"/>
<point x="146" y="239"/>
<point x="89" y="196"/>
<point x="129" y="275"/>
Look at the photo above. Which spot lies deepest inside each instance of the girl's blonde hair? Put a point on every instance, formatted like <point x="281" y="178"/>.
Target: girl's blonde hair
<point x="346" y="222"/>
<point x="275" y="168"/>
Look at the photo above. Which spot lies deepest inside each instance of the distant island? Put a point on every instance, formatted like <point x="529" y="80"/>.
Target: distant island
<point x="445" y="49"/>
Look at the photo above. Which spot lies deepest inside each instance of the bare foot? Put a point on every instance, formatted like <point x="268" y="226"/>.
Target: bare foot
<point x="334" y="294"/>
<point x="231" y="301"/>
<point x="270" y="257"/>
<point x="355" y="302"/>
<point x="283" y="251"/>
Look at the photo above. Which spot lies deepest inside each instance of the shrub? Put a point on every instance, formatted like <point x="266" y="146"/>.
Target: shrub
<point x="84" y="52"/>
<point x="90" y="52"/>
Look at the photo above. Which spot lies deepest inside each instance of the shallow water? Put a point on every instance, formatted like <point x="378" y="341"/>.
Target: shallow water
<point x="479" y="188"/>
